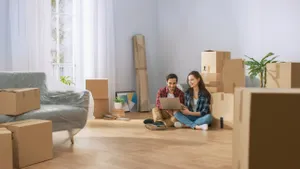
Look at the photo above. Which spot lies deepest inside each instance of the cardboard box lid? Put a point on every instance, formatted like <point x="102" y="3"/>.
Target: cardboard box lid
<point x="4" y="131"/>
<point x="24" y="123"/>
<point x="18" y="90"/>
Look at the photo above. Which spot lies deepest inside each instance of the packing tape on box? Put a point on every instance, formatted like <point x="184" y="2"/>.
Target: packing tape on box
<point x="222" y="96"/>
<point x="277" y="70"/>
<point x="241" y="106"/>
<point x="144" y="68"/>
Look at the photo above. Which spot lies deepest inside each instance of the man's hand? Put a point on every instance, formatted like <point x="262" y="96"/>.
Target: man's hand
<point x="171" y="112"/>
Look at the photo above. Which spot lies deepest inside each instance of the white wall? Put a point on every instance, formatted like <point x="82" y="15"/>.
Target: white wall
<point x="186" y="28"/>
<point x="269" y="25"/>
<point x="135" y="17"/>
<point x="252" y="27"/>
<point x="4" y="59"/>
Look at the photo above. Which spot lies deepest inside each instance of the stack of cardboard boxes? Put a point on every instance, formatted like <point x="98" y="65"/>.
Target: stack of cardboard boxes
<point x="266" y="121"/>
<point x="25" y="142"/>
<point x="99" y="90"/>
<point x="222" y="75"/>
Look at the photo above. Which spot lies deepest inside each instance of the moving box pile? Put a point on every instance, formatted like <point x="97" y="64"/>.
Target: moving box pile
<point x="222" y="75"/>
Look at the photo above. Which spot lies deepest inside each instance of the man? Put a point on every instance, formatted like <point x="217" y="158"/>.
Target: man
<point x="164" y="118"/>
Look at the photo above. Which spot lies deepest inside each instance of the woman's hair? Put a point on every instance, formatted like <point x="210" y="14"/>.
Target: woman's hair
<point x="201" y="86"/>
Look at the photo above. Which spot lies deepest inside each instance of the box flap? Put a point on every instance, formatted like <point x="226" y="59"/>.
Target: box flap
<point x="17" y="90"/>
<point x="4" y="131"/>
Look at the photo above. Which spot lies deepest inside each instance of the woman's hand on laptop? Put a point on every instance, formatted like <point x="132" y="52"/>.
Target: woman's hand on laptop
<point x="186" y="111"/>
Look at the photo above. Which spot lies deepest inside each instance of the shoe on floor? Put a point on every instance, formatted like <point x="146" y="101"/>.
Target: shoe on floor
<point x="148" y="121"/>
<point x="177" y="124"/>
<point x="156" y="126"/>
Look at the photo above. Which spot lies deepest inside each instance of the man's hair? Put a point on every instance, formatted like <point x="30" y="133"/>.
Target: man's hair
<point x="172" y="76"/>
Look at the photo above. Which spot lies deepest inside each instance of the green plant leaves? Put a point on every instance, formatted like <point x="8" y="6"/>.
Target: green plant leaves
<point x="66" y="80"/>
<point x="119" y="100"/>
<point x="259" y="67"/>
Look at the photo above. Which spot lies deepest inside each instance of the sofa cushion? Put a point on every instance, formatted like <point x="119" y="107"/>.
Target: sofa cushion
<point x="57" y="113"/>
<point x="183" y="87"/>
<point x="5" y="118"/>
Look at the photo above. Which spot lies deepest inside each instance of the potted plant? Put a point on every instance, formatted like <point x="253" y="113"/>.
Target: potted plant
<point x="257" y="67"/>
<point x="118" y="103"/>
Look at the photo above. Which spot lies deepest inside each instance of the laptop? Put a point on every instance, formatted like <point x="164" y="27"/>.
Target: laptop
<point x="170" y="103"/>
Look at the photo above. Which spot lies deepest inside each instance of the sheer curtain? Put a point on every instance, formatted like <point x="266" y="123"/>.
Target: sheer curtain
<point x="94" y="41"/>
<point x="29" y="35"/>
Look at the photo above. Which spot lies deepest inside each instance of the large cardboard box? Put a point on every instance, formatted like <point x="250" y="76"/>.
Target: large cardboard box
<point x="213" y="61"/>
<point x="32" y="141"/>
<point x="233" y="75"/>
<point x="283" y="75"/>
<point x="101" y="107"/>
<point x="222" y="106"/>
<point x="6" y="150"/>
<point x="212" y="81"/>
<point x="98" y="88"/>
<point x="266" y="121"/>
<point x="19" y="101"/>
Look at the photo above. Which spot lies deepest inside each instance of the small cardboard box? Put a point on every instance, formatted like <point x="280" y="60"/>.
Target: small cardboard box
<point x="283" y="75"/>
<point x="265" y="123"/>
<point x="32" y="141"/>
<point x="211" y="79"/>
<point x="101" y="107"/>
<point x="233" y="75"/>
<point x="118" y="112"/>
<point x="213" y="61"/>
<point x="222" y="106"/>
<point x="6" y="150"/>
<point x="98" y="88"/>
<point x="18" y="101"/>
<point x="212" y="82"/>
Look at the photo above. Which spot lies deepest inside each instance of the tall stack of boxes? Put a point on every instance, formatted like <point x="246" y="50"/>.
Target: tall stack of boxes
<point x="99" y="90"/>
<point x="266" y="120"/>
<point x="26" y="142"/>
<point x="222" y="75"/>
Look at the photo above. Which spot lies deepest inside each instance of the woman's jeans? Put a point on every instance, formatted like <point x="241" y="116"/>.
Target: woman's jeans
<point x="193" y="121"/>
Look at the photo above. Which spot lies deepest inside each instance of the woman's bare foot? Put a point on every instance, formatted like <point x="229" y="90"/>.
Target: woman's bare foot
<point x="202" y="127"/>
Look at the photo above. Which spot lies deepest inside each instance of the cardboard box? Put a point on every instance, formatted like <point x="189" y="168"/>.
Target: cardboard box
<point x="101" y="107"/>
<point x="214" y="89"/>
<point x="118" y="112"/>
<point x="266" y="121"/>
<point x="6" y="150"/>
<point x="213" y="61"/>
<point x="98" y="88"/>
<point x="233" y="75"/>
<point x="32" y="141"/>
<point x="223" y="106"/>
<point x="283" y="75"/>
<point x="211" y="79"/>
<point x="19" y="101"/>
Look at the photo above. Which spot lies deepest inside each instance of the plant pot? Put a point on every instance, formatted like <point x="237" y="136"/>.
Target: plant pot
<point x="118" y="105"/>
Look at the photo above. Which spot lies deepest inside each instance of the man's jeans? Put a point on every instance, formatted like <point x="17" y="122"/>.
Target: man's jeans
<point x="192" y="121"/>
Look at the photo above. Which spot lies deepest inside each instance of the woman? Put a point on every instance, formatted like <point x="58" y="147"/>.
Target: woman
<point x="196" y="113"/>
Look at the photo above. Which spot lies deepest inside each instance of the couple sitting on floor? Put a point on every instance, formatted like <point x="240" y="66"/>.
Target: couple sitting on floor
<point x="195" y="112"/>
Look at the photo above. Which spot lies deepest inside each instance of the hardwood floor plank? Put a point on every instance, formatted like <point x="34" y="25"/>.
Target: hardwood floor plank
<point x="129" y="145"/>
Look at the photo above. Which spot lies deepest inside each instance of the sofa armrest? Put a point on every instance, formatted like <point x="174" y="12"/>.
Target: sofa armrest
<point x="74" y="98"/>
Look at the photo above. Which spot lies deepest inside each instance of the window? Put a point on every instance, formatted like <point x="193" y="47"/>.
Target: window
<point x="63" y="60"/>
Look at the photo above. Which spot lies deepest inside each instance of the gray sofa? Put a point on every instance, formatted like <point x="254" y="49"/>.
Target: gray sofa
<point x="68" y="110"/>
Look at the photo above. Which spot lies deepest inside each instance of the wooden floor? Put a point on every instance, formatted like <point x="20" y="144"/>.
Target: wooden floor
<point x="129" y="145"/>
